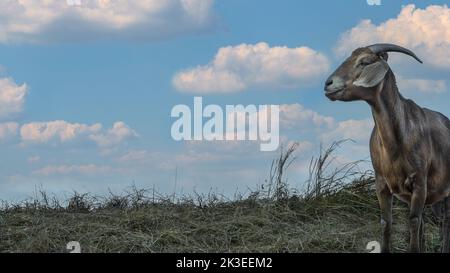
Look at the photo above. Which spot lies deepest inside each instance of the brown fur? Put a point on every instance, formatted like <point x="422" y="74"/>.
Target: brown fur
<point x="410" y="145"/>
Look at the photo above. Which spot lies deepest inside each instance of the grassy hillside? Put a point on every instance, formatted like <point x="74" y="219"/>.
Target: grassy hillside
<point x="330" y="215"/>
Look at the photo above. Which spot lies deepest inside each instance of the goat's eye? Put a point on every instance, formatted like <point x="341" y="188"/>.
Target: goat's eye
<point x="364" y="63"/>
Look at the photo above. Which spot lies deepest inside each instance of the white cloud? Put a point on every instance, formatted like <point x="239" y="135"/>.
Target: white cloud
<point x="55" y="20"/>
<point x="236" y="68"/>
<point x="73" y="170"/>
<point x="425" y="31"/>
<point x="114" y="136"/>
<point x="144" y="159"/>
<point x="297" y="116"/>
<point x="12" y="97"/>
<point x="422" y="85"/>
<point x="8" y="130"/>
<point x="357" y="130"/>
<point x="134" y="156"/>
<point x="324" y="129"/>
<point x="61" y="131"/>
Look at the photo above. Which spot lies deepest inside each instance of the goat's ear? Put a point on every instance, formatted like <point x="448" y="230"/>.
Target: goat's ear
<point x="372" y="75"/>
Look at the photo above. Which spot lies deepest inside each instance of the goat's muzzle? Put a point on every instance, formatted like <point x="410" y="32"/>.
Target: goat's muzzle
<point x="334" y="85"/>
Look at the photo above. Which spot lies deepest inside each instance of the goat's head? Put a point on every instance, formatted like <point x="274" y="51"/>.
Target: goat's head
<point x="358" y="77"/>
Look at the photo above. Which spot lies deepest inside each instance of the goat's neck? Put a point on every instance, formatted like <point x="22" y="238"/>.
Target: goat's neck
<point x="388" y="113"/>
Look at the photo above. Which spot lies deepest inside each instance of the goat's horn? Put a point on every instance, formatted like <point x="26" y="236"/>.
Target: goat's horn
<point x="381" y="48"/>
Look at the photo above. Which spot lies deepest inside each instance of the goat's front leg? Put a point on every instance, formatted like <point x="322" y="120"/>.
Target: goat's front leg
<point x="418" y="199"/>
<point x="385" y="200"/>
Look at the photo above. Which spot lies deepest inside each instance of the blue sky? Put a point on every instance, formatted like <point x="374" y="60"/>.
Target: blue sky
<point x="98" y="85"/>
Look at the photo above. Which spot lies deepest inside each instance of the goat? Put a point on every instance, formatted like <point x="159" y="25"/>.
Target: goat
<point x="409" y="145"/>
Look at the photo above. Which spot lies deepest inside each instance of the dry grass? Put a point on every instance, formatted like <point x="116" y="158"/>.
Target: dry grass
<point x="330" y="215"/>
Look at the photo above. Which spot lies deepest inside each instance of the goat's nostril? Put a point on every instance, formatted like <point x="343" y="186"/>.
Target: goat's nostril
<point x="329" y="82"/>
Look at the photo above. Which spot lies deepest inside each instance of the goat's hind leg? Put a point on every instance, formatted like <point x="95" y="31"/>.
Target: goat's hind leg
<point x="409" y="184"/>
